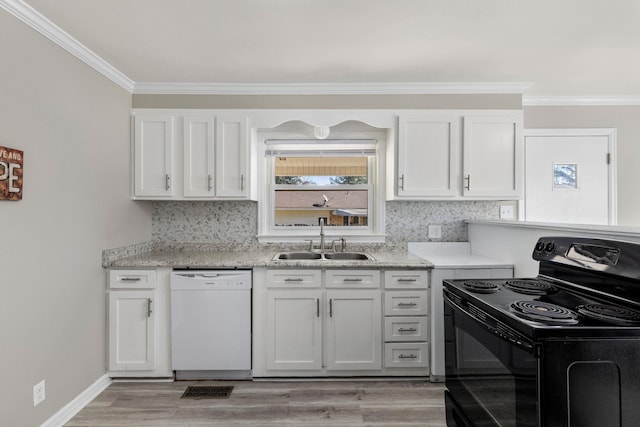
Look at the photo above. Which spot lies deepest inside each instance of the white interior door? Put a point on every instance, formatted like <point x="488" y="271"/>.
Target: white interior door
<point x="570" y="176"/>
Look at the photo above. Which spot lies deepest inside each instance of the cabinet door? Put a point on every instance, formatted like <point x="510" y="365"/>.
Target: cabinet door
<point x="131" y="331"/>
<point x="232" y="157"/>
<point x="294" y="330"/>
<point x="199" y="156"/>
<point x="493" y="156"/>
<point x="354" y="330"/>
<point x="428" y="153"/>
<point x="153" y="154"/>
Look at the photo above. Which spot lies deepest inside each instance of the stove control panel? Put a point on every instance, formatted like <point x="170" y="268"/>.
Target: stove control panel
<point x="615" y="257"/>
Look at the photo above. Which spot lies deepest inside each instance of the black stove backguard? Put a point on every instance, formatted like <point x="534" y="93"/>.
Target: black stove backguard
<point x="611" y="268"/>
<point x="504" y="370"/>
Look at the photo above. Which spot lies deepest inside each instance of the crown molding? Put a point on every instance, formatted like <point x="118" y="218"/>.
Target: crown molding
<point x="550" y="101"/>
<point x="329" y="88"/>
<point x="40" y="23"/>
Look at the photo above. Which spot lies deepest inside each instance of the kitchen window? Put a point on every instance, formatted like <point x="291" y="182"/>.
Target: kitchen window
<point x="335" y="181"/>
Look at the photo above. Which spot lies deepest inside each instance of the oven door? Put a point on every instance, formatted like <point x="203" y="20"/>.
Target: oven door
<point x="491" y="381"/>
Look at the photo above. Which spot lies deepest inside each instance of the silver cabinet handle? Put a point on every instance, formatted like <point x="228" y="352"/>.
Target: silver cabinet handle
<point x="149" y="307"/>
<point x="130" y="279"/>
<point x="407" y="330"/>
<point x="407" y="304"/>
<point x="355" y="279"/>
<point x="317" y="307"/>
<point x="401" y="182"/>
<point x="411" y="279"/>
<point x="408" y="356"/>
<point x="294" y="279"/>
<point x="242" y="182"/>
<point x="468" y="179"/>
<point x="209" y="182"/>
<point x="167" y="180"/>
<point x="331" y="308"/>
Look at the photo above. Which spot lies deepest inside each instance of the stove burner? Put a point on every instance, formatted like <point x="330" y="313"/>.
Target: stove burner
<point x="543" y="312"/>
<point x="480" y="287"/>
<point x="610" y="313"/>
<point x="529" y="287"/>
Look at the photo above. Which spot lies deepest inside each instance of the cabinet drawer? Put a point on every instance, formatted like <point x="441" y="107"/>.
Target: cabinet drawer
<point x="406" y="279"/>
<point x="406" y="355"/>
<point x="405" y="303"/>
<point x="405" y="328"/>
<point x="353" y="278"/>
<point x="132" y="279"/>
<point x="294" y="278"/>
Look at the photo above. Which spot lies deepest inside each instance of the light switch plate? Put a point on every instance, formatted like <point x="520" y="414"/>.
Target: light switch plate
<point x="435" y="231"/>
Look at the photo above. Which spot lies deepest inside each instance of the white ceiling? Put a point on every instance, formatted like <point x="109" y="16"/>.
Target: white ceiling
<point x="570" y="48"/>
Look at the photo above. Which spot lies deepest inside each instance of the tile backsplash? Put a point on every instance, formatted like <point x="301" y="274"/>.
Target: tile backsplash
<point x="236" y="222"/>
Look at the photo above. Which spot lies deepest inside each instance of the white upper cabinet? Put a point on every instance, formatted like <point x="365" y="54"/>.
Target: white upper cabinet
<point x="199" y="156"/>
<point x="459" y="155"/>
<point x="153" y="154"/>
<point x="192" y="155"/>
<point x="427" y="149"/>
<point x="232" y="156"/>
<point x="493" y="156"/>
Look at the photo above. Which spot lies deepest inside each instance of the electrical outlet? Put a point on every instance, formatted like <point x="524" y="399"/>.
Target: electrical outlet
<point x="506" y="212"/>
<point x="38" y="393"/>
<point x="435" y="231"/>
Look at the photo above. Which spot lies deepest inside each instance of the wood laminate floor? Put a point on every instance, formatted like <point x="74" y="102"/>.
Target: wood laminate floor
<point x="269" y="403"/>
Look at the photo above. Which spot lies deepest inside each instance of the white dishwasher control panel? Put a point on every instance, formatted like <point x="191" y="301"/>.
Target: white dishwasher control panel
<point x="219" y="279"/>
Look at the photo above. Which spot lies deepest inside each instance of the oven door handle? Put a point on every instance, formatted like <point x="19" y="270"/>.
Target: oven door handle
<point x="505" y="333"/>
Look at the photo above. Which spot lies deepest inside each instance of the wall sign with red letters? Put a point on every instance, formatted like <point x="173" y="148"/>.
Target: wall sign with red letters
<point x="11" y="162"/>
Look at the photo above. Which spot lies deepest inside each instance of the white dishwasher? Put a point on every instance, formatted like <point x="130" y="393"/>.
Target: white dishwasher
<point x="211" y="324"/>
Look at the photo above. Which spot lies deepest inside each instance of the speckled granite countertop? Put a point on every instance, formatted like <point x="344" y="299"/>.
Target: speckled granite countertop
<point x="250" y="259"/>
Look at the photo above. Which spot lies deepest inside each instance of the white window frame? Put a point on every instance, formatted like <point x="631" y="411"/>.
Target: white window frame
<point x="372" y="233"/>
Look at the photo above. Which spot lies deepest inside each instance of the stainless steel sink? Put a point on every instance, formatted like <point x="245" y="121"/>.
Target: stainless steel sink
<point x="298" y="255"/>
<point x="327" y="256"/>
<point x="354" y="256"/>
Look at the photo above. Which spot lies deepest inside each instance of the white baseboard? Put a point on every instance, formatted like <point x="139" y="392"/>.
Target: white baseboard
<point x="72" y="408"/>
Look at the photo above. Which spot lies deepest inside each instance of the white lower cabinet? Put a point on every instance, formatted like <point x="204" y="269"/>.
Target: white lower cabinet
<point x="294" y="329"/>
<point x="317" y="322"/>
<point x="138" y="323"/>
<point x="353" y="330"/>
<point x="132" y="330"/>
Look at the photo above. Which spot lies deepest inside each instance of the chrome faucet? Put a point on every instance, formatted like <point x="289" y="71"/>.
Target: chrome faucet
<point x="321" y="234"/>
<point x="343" y="244"/>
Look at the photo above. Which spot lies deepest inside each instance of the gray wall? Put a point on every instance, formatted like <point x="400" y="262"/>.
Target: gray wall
<point x="73" y="126"/>
<point x="626" y="119"/>
<point x="499" y="102"/>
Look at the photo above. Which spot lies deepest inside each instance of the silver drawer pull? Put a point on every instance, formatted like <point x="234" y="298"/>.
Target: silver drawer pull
<point x="347" y="279"/>
<point x="407" y="304"/>
<point x="149" y="311"/>
<point x="412" y="279"/>
<point x="294" y="279"/>
<point x="407" y="330"/>
<point x="130" y="279"/>
<point x="409" y="356"/>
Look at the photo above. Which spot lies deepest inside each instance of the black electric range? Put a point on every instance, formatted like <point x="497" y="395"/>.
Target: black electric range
<point x="539" y="351"/>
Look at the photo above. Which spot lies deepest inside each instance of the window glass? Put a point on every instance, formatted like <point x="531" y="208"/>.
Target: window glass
<point x="308" y="189"/>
